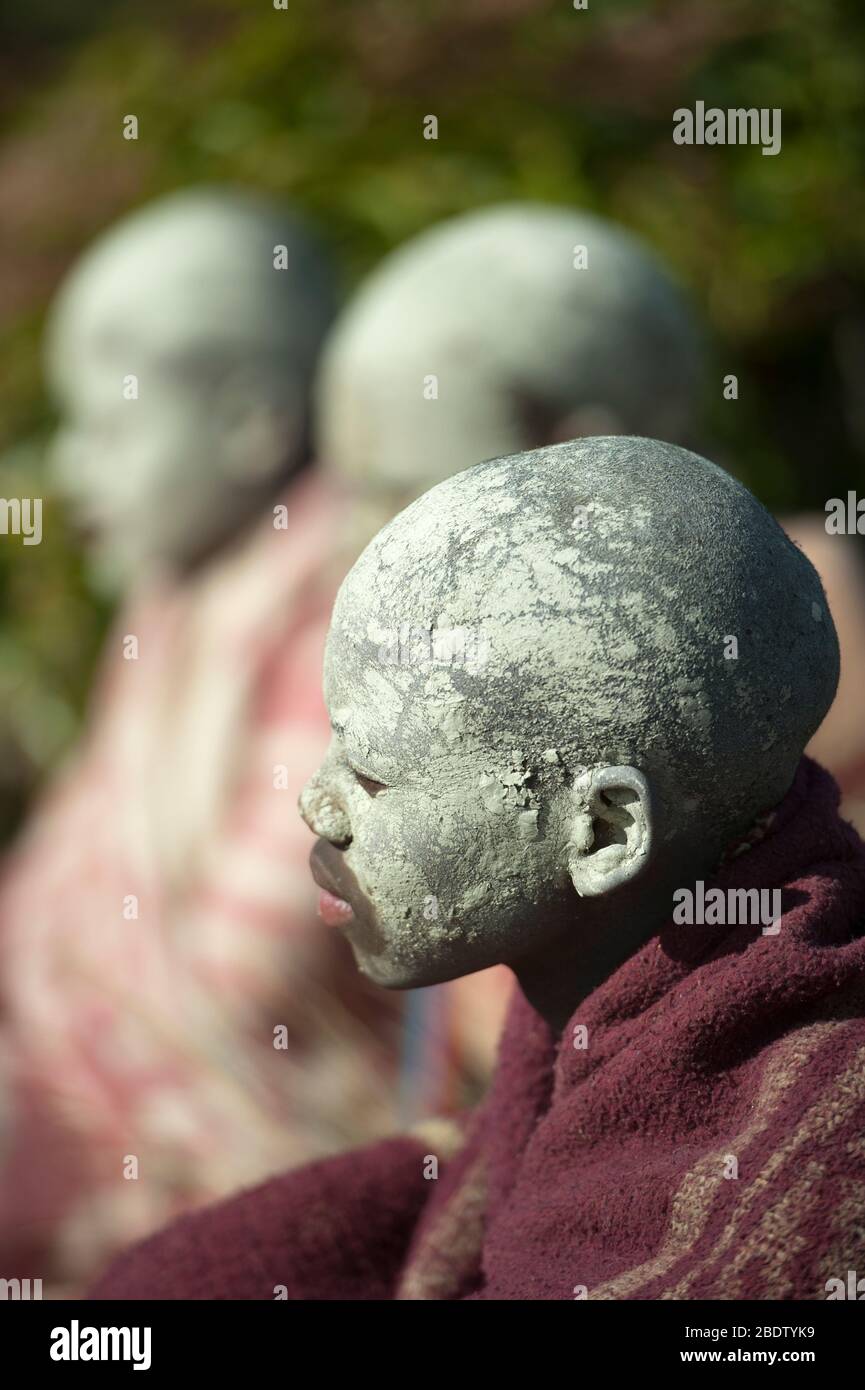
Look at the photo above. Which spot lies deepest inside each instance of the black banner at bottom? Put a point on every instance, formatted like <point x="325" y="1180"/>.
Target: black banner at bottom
<point x="66" y="1338"/>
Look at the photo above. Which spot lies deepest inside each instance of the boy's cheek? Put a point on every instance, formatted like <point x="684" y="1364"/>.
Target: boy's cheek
<point x="389" y="848"/>
<point x="413" y="854"/>
<point x="403" y="861"/>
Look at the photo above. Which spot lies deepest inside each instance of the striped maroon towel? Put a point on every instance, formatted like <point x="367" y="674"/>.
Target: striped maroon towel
<point x="702" y="1138"/>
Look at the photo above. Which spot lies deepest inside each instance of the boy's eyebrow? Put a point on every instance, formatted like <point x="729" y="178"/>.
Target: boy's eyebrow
<point x="341" y="722"/>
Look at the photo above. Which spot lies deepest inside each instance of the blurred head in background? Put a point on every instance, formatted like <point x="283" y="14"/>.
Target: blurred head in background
<point x="497" y="332"/>
<point x="181" y="349"/>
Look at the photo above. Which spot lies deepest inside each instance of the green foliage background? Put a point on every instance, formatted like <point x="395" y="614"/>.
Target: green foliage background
<point x="323" y="101"/>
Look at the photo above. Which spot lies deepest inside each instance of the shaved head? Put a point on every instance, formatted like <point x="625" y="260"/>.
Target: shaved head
<point x="499" y="331"/>
<point x="181" y="350"/>
<point x="560" y="671"/>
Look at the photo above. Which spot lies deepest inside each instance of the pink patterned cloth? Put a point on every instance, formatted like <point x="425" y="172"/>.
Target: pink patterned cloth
<point x="168" y="1006"/>
<point x="839" y="743"/>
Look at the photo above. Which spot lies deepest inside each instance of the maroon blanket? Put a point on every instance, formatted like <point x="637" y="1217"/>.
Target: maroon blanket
<point x="703" y="1138"/>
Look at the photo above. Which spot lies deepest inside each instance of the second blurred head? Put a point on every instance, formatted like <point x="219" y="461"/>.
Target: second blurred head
<point x="181" y="349"/>
<point x="496" y="332"/>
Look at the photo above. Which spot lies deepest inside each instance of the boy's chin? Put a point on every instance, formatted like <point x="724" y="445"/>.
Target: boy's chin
<point x="387" y="976"/>
<point x="395" y="974"/>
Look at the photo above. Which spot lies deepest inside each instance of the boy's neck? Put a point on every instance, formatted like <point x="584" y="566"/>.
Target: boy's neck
<point x="557" y="979"/>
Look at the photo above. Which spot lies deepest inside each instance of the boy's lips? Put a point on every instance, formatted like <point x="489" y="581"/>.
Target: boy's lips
<point x="333" y="911"/>
<point x="341" y="898"/>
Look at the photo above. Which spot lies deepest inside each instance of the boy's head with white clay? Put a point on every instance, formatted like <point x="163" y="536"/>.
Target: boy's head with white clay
<point x="497" y="331"/>
<point x="181" y="350"/>
<point x="560" y="684"/>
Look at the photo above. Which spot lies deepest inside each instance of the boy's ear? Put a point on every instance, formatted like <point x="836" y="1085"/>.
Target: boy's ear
<point x="610" y="833"/>
<point x="256" y="428"/>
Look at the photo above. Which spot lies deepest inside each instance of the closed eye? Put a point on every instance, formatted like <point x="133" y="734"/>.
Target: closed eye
<point x="370" y="786"/>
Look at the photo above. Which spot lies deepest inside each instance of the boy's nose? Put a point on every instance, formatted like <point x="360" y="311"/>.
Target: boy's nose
<point x="324" y="814"/>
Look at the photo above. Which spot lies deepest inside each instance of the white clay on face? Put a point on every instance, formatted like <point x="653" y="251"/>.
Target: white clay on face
<point x="605" y="650"/>
<point x="181" y="356"/>
<point x="491" y="305"/>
